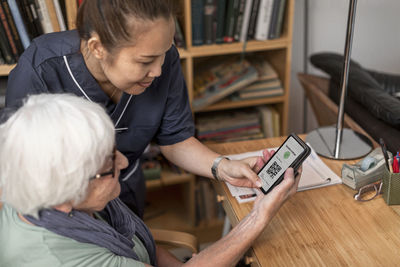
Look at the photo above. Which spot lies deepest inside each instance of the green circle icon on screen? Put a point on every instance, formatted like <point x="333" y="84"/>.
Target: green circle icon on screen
<point x="286" y="155"/>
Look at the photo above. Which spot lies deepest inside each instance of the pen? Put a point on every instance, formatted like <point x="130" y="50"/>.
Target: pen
<point x="385" y="154"/>
<point x="395" y="165"/>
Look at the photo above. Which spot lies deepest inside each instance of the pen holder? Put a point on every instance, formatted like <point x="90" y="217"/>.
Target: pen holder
<point x="391" y="187"/>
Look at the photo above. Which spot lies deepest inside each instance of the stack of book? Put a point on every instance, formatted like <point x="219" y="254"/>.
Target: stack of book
<point x="219" y="79"/>
<point x="266" y="85"/>
<point x="240" y="79"/>
<point x="226" y="21"/>
<point x="23" y="20"/>
<point x="270" y="121"/>
<point x="229" y="127"/>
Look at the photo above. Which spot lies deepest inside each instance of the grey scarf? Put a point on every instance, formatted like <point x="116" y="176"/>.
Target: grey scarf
<point x="116" y="236"/>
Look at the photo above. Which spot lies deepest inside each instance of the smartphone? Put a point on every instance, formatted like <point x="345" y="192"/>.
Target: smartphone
<point x="291" y="153"/>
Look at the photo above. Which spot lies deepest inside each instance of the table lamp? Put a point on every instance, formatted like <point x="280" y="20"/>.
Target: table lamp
<point x="338" y="142"/>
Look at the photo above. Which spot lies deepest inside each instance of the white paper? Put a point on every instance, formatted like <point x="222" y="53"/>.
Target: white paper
<point x="315" y="174"/>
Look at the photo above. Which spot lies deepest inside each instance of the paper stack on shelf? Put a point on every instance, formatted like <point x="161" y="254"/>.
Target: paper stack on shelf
<point x="232" y="126"/>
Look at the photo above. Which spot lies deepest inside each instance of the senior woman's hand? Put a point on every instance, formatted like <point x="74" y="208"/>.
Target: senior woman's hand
<point x="243" y="172"/>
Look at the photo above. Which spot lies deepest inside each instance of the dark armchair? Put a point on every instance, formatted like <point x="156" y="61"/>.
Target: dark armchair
<point x="372" y="105"/>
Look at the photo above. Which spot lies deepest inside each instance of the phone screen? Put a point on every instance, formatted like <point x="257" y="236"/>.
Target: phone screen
<point x="280" y="161"/>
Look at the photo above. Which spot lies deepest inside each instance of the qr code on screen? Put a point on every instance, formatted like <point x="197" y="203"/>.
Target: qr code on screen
<point x="274" y="169"/>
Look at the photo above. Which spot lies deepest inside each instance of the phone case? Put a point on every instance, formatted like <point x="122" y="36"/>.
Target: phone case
<point x="295" y="165"/>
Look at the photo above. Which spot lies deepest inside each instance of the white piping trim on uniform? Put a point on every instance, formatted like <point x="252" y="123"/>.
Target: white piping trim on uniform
<point x="132" y="171"/>
<point x="123" y="111"/>
<point x="121" y="129"/>
<point x="73" y="78"/>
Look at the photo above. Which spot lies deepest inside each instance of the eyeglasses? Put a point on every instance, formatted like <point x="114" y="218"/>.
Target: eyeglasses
<point x="368" y="192"/>
<point x="111" y="172"/>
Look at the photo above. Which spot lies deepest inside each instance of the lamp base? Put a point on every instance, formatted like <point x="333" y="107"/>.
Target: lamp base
<point x="354" y="145"/>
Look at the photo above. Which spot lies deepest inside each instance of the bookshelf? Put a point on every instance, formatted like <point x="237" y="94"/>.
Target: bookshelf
<point x="277" y="52"/>
<point x="174" y="193"/>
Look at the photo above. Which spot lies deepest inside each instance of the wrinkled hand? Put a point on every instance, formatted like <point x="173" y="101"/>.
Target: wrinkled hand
<point x="268" y="205"/>
<point x="243" y="172"/>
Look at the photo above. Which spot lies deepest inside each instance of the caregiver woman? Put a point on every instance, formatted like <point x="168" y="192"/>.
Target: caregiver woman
<point x="122" y="57"/>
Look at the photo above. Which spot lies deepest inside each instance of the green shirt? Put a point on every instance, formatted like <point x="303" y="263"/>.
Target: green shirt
<point x="23" y="244"/>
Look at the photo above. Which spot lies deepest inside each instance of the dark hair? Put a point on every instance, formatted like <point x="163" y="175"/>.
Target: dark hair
<point x="109" y="18"/>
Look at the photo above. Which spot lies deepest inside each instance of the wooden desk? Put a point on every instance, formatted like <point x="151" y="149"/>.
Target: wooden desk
<point x="320" y="227"/>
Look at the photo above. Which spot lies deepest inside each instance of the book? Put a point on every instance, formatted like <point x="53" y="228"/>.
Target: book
<point x="253" y="19"/>
<point x="239" y="20"/>
<point x="8" y="34"/>
<point x="276" y="122"/>
<point x="197" y="22"/>
<point x="263" y="20"/>
<point x="5" y="45"/>
<point x="32" y="19"/>
<point x="278" y="28"/>
<point x="209" y="17"/>
<point x="232" y="76"/>
<point x="28" y="18"/>
<point x="230" y="20"/>
<point x="44" y="16"/>
<point x="19" y="23"/>
<point x="274" y="18"/>
<point x="53" y="15"/>
<point x="263" y="67"/>
<point x="220" y="19"/>
<point x="262" y="85"/>
<point x="246" y="20"/>
<point x="266" y="121"/>
<point x="60" y="16"/>
<point x="222" y="126"/>
<point x="14" y="32"/>
<point x="71" y="10"/>
<point x="240" y="96"/>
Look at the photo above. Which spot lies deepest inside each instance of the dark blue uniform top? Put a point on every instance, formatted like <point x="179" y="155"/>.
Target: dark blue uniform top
<point x="53" y="64"/>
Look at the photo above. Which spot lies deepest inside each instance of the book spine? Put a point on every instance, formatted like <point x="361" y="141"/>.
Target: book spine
<point x="31" y="6"/>
<point x="59" y="14"/>
<point x="53" y="15"/>
<point x="239" y="20"/>
<point x="4" y="44"/>
<point x="263" y="20"/>
<point x="197" y="22"/>
<point x="246" y="20"/>
<point x="27" y="18"/>
<point x="71" y="10"/>
<point x="13" y="27"/>
<point x="253" y="19"/>
<point x="19" y="23"/>
<point x="274" y="18"/>
<point x="225" y="88"/>
<point x="220" y="20"/>
<point x="7" y="30"/>
<point x="235" y="130"/>
<point x="230" y="20"/>
<point x="281" y="13"/>
<point x="209" y="14"/>
<point x="44" y="16"/>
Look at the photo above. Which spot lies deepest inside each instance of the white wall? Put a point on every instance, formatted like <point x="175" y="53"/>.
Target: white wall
<point x="376" y="42"/>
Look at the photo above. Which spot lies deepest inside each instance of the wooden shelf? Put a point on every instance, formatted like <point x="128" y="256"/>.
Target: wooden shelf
<point x="227" y="104"/>
<point x="237" y="47"/>
<point x="169" y="177"/>
<point x="5" y="69"/>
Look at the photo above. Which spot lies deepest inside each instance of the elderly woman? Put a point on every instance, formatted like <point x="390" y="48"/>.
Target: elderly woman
<point x="59" y="177"/>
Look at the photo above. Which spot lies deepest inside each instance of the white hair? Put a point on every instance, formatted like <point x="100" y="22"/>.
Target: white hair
<point x="50" y="147"/>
